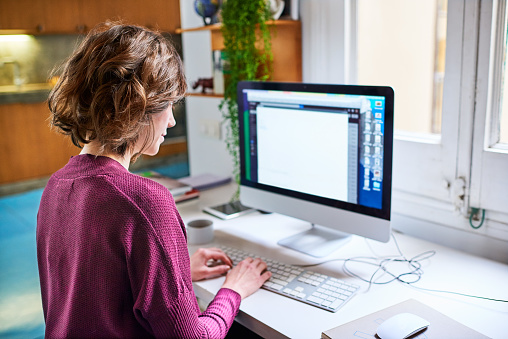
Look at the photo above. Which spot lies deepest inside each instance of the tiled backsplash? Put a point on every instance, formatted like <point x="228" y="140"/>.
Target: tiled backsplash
<point x="35" y="56"/>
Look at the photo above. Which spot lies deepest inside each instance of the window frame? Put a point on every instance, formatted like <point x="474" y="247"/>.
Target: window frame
<point x="473" y="168"/>
<point x="436" y="178"/>
<point x="461" y="168"/>
<point x="489" y="158"/>
<point x="435" y="160"/>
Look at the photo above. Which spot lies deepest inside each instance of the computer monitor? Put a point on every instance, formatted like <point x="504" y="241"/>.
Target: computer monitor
<point x="321" y="153"/>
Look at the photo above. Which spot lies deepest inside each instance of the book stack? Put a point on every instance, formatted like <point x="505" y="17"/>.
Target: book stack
<point x="205" y="181"/>
<point x="179" y="190"/>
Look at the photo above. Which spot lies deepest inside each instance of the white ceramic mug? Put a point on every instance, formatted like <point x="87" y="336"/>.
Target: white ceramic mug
<point x="199" y="231"/>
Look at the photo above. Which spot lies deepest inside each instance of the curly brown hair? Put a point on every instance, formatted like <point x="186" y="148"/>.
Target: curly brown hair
<point x="112" y="84"/>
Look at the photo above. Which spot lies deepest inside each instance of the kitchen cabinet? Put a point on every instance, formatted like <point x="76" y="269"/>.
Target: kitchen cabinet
<point x="163" y="15"/>
<point x="31" y="150"/>
<point x="40" y="16"/>
<point x="286" y="49"/>
<point x="61" y="16"/>
<point x="79" y="16"/>
<point x="28" y="147"/>
<point x="20" y="14"/>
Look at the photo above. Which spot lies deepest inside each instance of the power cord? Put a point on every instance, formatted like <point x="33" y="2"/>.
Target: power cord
<point x="474" y="212"/>
<point x="413" y="275"/>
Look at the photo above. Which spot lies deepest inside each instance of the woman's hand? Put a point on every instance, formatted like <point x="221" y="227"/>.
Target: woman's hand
<point x="199" y="263"/>
<point x="247" y="277"/>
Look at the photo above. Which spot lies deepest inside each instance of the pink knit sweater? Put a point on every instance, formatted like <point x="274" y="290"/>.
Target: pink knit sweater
<point x="113" y="259"/>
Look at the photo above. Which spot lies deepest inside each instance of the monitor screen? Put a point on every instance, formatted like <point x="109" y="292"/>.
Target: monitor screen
<point x="321" y="153"/>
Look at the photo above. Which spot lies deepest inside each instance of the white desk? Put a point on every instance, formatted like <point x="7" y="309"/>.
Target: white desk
<point x="272" y="316"/>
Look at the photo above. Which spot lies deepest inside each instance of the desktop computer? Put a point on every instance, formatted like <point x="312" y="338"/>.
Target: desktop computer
<point x="320" y="153"/>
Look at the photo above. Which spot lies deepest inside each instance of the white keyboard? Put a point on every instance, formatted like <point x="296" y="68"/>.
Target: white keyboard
<point x="297" y="283"/>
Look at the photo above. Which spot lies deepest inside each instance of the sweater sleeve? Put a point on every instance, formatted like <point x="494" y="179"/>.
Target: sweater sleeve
<point x="213" y="323"/>
<point x="159" y="272"/>
<point x="227" y="301"/>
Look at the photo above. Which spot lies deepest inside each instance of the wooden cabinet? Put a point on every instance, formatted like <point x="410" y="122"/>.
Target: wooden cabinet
<point x="20" y="14"/>
<point x="61" y="16"/>
<point x="163" y="15"/>
<point x="30" y="149"/>
<point x="40" y="16"/>
<point x="286" y="48"/>
<point x="78" y="16"/>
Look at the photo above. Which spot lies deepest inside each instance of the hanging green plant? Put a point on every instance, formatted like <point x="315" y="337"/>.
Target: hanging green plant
<point x="248" y="52"/>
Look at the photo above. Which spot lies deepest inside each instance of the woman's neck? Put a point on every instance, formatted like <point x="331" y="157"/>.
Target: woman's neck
<point x="93" y="149"/>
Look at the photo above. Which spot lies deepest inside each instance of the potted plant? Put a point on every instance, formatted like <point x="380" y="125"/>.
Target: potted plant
<point x="247" y="48"/>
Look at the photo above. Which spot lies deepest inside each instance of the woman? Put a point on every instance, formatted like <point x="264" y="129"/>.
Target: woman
<point x="111" y="246"/>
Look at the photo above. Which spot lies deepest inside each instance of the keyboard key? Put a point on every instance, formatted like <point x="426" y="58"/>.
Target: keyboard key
<point x="278" y="281"/>
<point x="315" y="300"/>
<point x="318" y="290"/>
<point x="277" y="287"/>
<point x="336" y="304"/>
<point x="294" y="293"/>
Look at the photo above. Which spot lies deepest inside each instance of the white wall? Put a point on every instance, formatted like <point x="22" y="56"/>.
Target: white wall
<point x="322" y="43"/>
<point x="206" y="154"/>
<point x="328" y="44"/>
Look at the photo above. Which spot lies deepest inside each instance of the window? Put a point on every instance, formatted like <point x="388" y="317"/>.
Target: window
<point x="407" y="45"/>
<point x="402" y="44"/>
<point x="503" y="44"/>
<point x="489" y="164"/>
<point x="447" y="63"/>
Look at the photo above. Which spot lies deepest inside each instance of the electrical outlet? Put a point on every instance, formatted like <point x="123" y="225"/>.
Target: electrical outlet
<point x="210" y="128"/>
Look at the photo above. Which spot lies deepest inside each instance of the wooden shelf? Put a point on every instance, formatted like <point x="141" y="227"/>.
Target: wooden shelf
<point x="208" y="95"/>
<point x="198" y="29"/>
<point x="216" y="27"/>
<point x="286" y="48"/>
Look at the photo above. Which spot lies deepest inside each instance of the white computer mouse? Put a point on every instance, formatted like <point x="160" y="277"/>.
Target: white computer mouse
<point x="400" y="326"/>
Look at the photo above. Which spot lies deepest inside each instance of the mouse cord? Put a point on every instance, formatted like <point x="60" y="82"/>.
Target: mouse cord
<point x="458" y="293"/>
<point x="433" y="290"/>
<point x="413" y="275"/>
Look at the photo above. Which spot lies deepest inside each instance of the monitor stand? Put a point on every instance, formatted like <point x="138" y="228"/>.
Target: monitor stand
<point x="318" y="241"/>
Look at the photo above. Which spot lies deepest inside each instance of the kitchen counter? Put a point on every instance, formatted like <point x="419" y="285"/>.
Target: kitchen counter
<point x="27" y="93"/>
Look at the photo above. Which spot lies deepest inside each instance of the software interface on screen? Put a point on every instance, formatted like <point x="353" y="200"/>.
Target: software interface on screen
<point x="325" y="145"/>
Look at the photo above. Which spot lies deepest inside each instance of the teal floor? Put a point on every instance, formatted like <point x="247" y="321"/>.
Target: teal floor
<point x="20" y="298"/>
